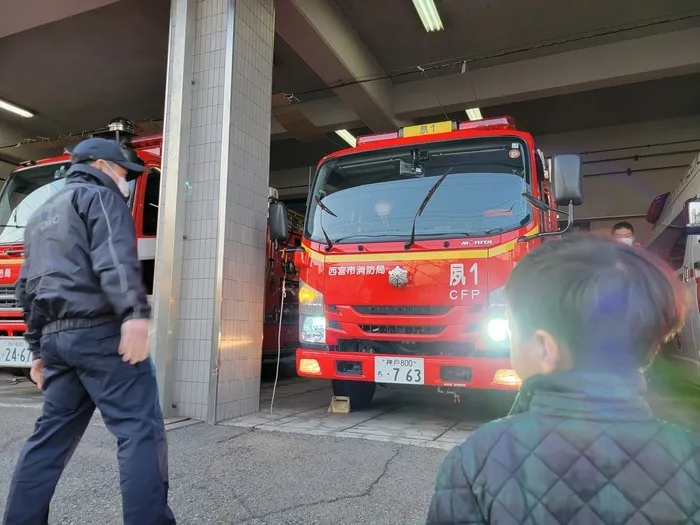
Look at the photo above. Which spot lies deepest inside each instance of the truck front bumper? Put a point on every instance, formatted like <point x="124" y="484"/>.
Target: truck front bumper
<point x="448" y="371"/>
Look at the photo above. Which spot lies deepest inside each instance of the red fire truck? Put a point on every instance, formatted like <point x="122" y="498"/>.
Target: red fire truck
<point x="408" y="241"/>
<point x="35" y="181"/>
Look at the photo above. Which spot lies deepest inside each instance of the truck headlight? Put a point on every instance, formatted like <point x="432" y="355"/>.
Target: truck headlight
<point x="497" y="326"/>
<point x="312" y="321"/>
<point x="498" y="330"/>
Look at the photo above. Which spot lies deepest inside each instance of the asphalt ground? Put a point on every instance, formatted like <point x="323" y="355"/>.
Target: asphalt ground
<point x="230" y="475"/>
<point x="226" y="475"/>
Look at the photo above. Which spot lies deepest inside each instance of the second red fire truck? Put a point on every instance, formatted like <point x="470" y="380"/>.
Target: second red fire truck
<point x="34" y="182"/>
<point x="408" y="242"/>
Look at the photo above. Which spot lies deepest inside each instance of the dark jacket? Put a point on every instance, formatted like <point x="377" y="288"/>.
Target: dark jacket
<point x="581" y="449"/>
<point x="81" y="260"/>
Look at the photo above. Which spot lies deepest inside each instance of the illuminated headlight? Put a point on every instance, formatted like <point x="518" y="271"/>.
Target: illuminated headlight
<point x="498" y="330"/>
<point x="497" y="325"/>
<point x="313" y="330"/>
<point x="312" y="322"/>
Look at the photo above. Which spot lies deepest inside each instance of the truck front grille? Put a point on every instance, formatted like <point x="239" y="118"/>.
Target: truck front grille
<point x="7" y="298"/>
<point x="402" y="310"/>
<point x="11" y="333"/>
<point x="402" y="330"/>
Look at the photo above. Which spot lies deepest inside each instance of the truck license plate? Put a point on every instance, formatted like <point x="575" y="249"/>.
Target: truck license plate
<point x="14" y="352"/>
<point x="399" y="370"/>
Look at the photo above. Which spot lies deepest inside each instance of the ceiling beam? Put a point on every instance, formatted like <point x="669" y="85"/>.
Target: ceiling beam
<point x="325" y="40"/>
<point x="658" y="56"/>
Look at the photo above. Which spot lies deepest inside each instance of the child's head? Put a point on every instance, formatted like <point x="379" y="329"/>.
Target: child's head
<point x="588" y="302"/>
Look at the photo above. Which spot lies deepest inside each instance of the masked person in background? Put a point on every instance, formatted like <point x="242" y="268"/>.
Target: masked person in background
<point x="624" y="233"/>
<point x="87" y="317"/>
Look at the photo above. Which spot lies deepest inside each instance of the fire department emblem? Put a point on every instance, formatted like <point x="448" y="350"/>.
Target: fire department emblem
<point x="398" y="277"/>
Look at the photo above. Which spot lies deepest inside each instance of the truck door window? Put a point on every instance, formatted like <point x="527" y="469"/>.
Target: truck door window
<point x="150" y="204"/>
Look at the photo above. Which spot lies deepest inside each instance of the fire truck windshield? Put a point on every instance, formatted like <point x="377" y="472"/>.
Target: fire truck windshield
<point x="376" y="195"/>
<point x="23" y="193"/>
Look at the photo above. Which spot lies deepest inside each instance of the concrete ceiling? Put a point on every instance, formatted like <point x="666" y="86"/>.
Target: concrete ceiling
<point x="293" y="75"/>
<point x="626" y="104"/>
<point x="492" y="32"/>
<point x="522" y="58"/>
<point x="21" y="15"/>
<point x="79" y="72"/>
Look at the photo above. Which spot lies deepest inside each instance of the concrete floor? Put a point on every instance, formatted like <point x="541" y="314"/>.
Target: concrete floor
<point x="294" y="466"/>
<point x="414" y="416"/>
<point x="236" y="475"/>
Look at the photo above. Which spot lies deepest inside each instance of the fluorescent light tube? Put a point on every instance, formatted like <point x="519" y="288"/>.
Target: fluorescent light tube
<point x="429" y="16"/>
<point x="4" y="104"/>
<point x="347" y="137"/>
<point x="474" y="114"/>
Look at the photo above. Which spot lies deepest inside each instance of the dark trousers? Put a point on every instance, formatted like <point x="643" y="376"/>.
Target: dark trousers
<point x="82" y="369"/>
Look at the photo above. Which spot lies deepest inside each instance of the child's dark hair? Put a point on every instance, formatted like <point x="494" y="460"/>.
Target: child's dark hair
<point x="611" y="304"/>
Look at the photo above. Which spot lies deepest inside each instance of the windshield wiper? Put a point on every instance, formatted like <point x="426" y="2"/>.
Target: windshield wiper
<point x="367" y="236"/>
<point x="324" y="208"/>
<point x="429" y="195"/>
<point x="11" y="226"/>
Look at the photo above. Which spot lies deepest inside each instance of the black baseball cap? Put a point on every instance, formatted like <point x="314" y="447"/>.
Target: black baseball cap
<point x="97" y="148"/>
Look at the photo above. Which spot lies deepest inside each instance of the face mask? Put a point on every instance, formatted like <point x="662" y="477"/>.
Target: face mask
<point x="122" y="184"/>
<point x="627" y="240"/>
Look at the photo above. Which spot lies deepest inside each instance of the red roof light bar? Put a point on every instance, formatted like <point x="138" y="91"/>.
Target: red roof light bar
<point x="496" y="123"/>
<point x="489" y="123"/>
<point x="366" y="139"/>
<point x="146" y="140"/>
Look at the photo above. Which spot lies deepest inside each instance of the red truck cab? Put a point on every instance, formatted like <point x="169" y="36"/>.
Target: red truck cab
<point x="408" y="242"/>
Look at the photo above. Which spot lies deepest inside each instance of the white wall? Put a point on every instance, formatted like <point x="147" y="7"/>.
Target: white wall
<point x="608" y="198"/>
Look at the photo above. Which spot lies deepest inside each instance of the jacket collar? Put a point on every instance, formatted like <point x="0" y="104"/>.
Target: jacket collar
<point x="85" y="173"/>
<point x="600" y="396"/>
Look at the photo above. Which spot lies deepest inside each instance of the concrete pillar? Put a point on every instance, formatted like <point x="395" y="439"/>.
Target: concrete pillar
<point x="209" y="292"/>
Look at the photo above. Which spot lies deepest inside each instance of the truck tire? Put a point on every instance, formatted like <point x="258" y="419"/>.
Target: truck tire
<point x="359" y="392"/>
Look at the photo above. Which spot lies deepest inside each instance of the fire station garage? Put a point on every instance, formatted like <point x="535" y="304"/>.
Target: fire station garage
<point x="249" y="95"/>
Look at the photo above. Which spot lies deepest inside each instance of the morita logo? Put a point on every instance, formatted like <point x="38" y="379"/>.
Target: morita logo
<point x="477" y="242"/>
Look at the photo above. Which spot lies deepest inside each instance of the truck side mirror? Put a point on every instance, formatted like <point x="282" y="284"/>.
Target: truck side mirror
<point x="278" y="222"/>
<point x="691" y="213"/>
<point x="567" y="181"/>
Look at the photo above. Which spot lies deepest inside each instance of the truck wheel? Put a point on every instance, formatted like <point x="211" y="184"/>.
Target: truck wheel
<point x="359" y="392"/>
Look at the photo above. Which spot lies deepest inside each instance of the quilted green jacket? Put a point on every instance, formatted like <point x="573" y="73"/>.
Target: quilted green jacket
<point x="579" y="448"/>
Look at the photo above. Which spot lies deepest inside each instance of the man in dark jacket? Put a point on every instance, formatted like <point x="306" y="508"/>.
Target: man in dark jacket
<point x="581" y="445"/>
<point x="87" y="317"/>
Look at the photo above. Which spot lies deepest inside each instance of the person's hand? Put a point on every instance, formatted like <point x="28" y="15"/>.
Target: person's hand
<point x="133" y="346"/>
<point x="36" y="372"/>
